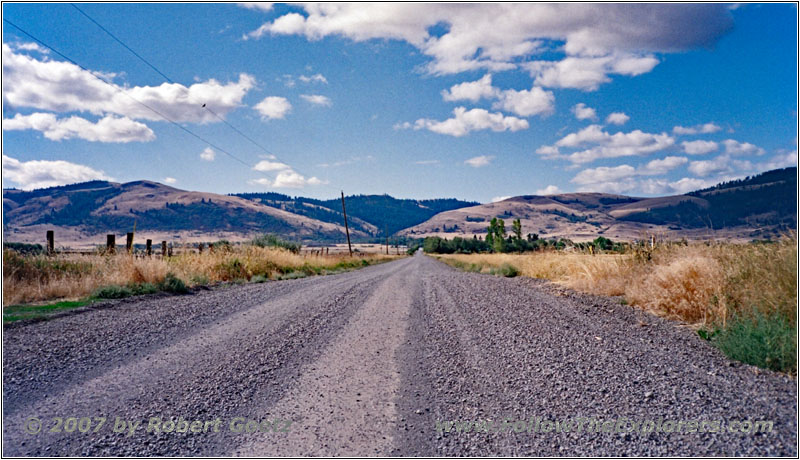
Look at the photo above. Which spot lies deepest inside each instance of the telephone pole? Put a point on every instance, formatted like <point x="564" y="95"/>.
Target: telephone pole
<point x="346" y="228"/>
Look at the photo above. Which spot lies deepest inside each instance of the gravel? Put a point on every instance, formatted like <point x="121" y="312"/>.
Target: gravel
<point x="365" y="363"/>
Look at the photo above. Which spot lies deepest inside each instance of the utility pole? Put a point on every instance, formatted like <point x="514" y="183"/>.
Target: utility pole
<point x="346" y="228"/>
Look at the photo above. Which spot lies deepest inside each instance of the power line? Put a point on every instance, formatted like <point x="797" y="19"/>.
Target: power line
<point x="205" y="106"/>
<point x="120" y="42"/>
<point x="116" y="88"/>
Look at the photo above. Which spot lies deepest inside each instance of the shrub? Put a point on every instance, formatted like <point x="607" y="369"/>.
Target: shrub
<point x="272" y="241"/>
<point x="767" y="341"/>
<point x="506" y="269"/>
<point x="259" y="279"/>
<point x="112" y="292"/>
<point x="173" y="284"/>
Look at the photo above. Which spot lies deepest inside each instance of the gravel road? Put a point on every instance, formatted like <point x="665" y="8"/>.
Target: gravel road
<point x="377" y="362"/>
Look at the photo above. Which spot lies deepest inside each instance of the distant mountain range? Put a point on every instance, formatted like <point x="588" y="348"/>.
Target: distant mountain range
<point x="762" y="206"/>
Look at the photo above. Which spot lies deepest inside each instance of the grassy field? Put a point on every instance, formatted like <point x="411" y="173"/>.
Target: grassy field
<point x="82" y="278"/>
<point x="742" y="297"/>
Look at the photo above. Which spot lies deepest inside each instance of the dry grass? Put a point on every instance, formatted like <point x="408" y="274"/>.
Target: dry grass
<point x="40" y="278"/>
<point x="700" y="284"/>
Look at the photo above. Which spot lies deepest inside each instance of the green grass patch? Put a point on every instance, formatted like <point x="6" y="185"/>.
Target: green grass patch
<point x="13" y="313"/>
<point x="506" y="269"/>
<point x="767" y="341"/>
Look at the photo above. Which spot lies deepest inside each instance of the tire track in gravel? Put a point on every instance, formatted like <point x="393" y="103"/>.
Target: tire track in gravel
<point x="494" y="348"/>
<point x="345" y="404"/>
<point x="229" y="368"/>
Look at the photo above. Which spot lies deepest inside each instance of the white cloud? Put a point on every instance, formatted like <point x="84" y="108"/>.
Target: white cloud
<point x="678" y="187"/>
<point x="699" y="147"/>
<point x="707" y="128"/>
<point x="525" y="103"/>
<point x="107" y="129"/>
<point x="292" y="179"/>
<point x="720" y="165"/>
<point x="733" y="147"/>
<point x="472" y="90"/>
<point x="499" y="36"/>
<point x="63" y="87"/>
<point x="465" y="121"/>
<point x="588" y="73"/>
<point x="662" y="166"/>
<point x="316" y="78"/>
<point x="35" y="174"/>
<point x="535" y="101"/>
<point x="617" y="118"/>
<point x="317" y="99"/>
<point x="273" y="107"/>
<point x="582" y="112"/>
<point x="263" y="6"/>
<point x="622" y="178"/>
<point x="266" y="166"/>
<point x="500" y="198"/>
<point x="170" y="180"/>
<point x="604" y="174"/>
<point x="208" y="154"/>
<point x="605" y="145"/>
<point x="480" y="161"/>
<point x="549" y="190"/>
<point x="262" y="181"/>
<point x="427" y="162"/>
<point x="784" y="160"/>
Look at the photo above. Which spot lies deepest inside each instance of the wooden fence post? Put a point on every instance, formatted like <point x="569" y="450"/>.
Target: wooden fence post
<point x="200" y="247"/>
<point x="51" y="244"/>
<point x="163" y="249"/>
<point x="111" y="244"/>
<point x="149" y="248"/>
<point x="169" y="251"/>
<point x="129" y="242"/>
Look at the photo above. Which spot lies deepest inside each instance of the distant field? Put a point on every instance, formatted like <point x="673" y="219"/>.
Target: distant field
<point x="742" y="296"/>
<point x="38" y="278"/>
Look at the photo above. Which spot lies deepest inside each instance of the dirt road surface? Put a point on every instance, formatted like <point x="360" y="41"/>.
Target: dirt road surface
<point x="380" y="361"/>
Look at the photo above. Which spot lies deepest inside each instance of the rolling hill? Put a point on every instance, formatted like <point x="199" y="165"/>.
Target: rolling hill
<point x="377" y="215"/>
<point x="762" y="206"/>
<point x="89" y="210"/>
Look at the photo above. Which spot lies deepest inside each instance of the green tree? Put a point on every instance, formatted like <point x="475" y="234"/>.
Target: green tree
<point x="516" y="228"/>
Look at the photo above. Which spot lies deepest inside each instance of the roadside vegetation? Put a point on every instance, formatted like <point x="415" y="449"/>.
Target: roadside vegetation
<point x="29" y="275"/>
<point x="741" y="297"/>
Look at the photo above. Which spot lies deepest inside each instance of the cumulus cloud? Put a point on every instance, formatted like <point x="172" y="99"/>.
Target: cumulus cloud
<point x="64" y="87"/>
<point x="107" y="129"/>
<point x="35" y="174"/>
<point x="602" y="144"/>
<point x="588" y="73"/>
<point x="535" y="101"/>
<point x="623" y="178"/>
<point x="267" y="166"/>
<point x="480" y="161"/>
<point x="499" y="36"/>
<point x="273" y="107"/>
<point x="699" y="147"/>
<point x="316" y="78"/>
<point x="208" y="154"/>
<point x="292" y="179"/>
<point x="465" y="121"/>
<point x="733" y="147"/>
<point x="549" y="190"/>
<point x="170" y="180"/>
<point x="723" y="164"/>
<point x="707" y="128"/>
<point x="617" y="118"/>
<point x="317" y="99"/>
<point x="582" y="112"/>
<point x="782" y="160"/>
<point x="472" y="90"/>
<point x="525" y="103"/>
<point x="500" y="198"/>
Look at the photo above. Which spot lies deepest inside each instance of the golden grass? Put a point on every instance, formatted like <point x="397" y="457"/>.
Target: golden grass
<point x="39" y="278"/>
<point x="699" y="283"/>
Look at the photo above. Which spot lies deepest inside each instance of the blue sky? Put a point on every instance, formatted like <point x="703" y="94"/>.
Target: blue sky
<point x="419" y="101"/>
